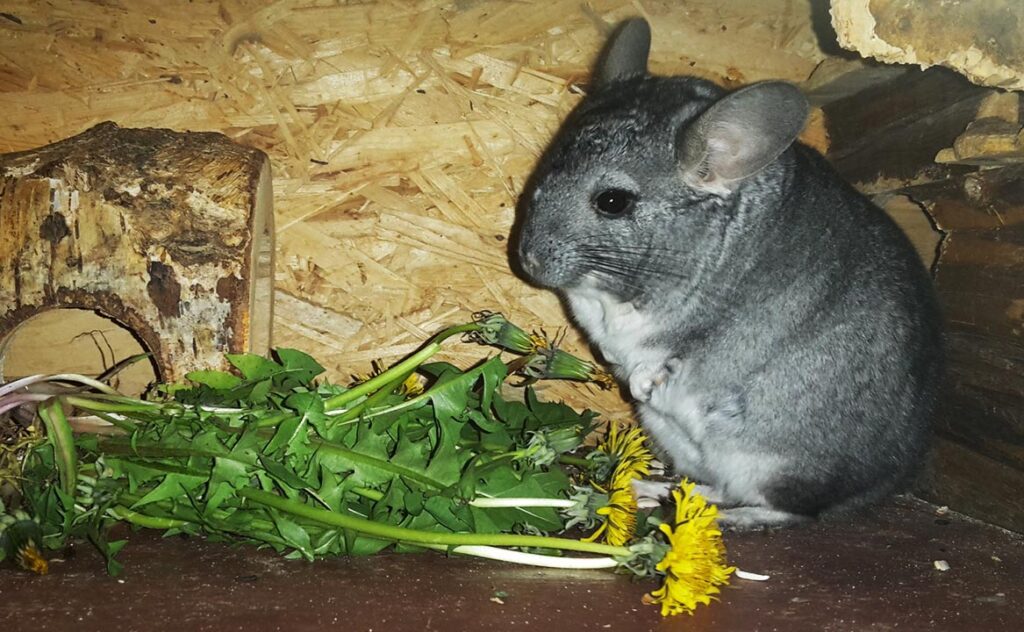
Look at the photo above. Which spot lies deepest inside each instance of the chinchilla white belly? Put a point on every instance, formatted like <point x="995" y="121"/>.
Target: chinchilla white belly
<point x="619" y="331"/>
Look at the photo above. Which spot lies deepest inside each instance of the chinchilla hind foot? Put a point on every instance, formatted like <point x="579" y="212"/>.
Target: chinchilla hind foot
<point x="752" y="518"/>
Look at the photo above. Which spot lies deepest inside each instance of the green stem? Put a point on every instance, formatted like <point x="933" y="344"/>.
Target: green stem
<point x="147" y="522"/>
<point x="420" y="399"/>
<point x="367" y="493"/>
<point x="415" y="536"/>
<point x="409" y="364"/>
<point x="370" y="401"/>
<point x="81" y="379"/>
<point x="577" y="461"/>
<point x="187" y="516"/>
<point x="58" y="431"/>
<point x="121" y="446"/>
<point x="123" y="424"/>
<point x="98" y="403"/>
<point x="273" y="420"/>
<point x="409" y="403"/>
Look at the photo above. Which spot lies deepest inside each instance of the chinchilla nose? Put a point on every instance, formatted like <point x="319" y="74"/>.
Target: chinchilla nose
<point x="529" y="261"/>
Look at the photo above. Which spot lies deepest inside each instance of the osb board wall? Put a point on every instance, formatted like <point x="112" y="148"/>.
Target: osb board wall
<point x="400" y="132"/>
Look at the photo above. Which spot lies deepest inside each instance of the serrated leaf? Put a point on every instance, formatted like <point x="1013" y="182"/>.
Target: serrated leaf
<point x="301" y="365"/>
<point x="296" y="536"/>
<point x="451" y="394"/>
<point x="210" y="441"/>
<point x="260" y="391"/>
<point x="305" y="403"/>
<point x="494" y="373"/>
<point x="219" y="380"/>
<point x="449" y="514"/>
<point x="172" y="486"/>
<point x="252" y="366"/>
<point x="554" y="414"/>
<point x="109" y="551"/>
<point x="365" y="473"/>
<point x="226" y="476"/>
<point x="332" y="487"/>
<point x="486" y="423"/>
<point x="363" y="545"/>
<point x="286" y="431"/>
<point x="414" y="502"/>
<point x="282" y="473"/>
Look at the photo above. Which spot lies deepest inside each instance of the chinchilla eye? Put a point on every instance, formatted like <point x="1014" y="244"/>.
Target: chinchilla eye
<point x="614" y="201"/>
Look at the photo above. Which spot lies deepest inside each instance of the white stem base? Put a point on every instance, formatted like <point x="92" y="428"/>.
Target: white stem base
<point x="532" y="559"/>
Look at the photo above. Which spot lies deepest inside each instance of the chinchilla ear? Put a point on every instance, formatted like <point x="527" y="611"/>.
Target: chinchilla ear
<point x="740" y="135"/>
<point x="625" y="54"/>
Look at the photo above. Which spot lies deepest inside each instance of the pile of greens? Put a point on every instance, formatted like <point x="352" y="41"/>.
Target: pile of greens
<point x="423" y="455"/>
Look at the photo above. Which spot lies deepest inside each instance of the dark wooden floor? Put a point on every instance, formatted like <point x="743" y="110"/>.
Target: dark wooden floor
<point x="875" y="573"/>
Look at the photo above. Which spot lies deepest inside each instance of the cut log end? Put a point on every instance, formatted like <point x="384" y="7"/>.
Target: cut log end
<point x="167" y="233"/>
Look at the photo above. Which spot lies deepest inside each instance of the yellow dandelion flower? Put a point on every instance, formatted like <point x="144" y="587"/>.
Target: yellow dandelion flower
<point x="694" y="566"/>
<point x="619" y="515"/>
<point x="31" y="559"/>
<point x="627" y="449"/>
<point x="633" y="462"/>
<point x="19" y="536"/>
<point x="411" y="386"/>
<point x="538" y="342"/>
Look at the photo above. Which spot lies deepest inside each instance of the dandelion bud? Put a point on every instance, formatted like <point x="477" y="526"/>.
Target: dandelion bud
<point x="545" y="446"/>
<point x="558" y="365"/>
<point x="496" y="330"/>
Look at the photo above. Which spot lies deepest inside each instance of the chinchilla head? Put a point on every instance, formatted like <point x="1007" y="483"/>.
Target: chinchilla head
<point x="634" y="194"/>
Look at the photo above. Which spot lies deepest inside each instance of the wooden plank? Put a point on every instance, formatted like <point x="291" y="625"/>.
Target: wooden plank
<point x="976" y="485"/>
<point x="979" y="457"/>
<point x="983" y="404"/>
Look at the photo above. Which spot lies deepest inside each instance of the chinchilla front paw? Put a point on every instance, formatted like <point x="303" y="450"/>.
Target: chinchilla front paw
<point x="644" y="379"/>
<point x="651" y="493"/>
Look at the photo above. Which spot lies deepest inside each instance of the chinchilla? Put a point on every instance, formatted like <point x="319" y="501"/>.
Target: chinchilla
<point x="778" y="334"/>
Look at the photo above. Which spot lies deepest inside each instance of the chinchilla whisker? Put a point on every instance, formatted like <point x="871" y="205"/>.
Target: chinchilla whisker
<point x="626" y="268"/>
<point x="623" y="251"/>
<point x="618" y="280"/>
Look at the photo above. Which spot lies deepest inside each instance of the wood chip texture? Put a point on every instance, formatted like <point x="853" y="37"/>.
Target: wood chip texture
<point x="400" y="132"/>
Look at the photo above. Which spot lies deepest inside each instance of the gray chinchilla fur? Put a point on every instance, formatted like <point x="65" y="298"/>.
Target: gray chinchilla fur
<point x="776" y="330"/>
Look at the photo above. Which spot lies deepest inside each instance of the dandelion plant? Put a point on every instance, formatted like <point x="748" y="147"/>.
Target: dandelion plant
<point x="420" y="455"/>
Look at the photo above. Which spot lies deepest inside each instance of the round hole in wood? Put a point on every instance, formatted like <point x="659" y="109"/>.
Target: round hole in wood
<point x="75" y="341"/>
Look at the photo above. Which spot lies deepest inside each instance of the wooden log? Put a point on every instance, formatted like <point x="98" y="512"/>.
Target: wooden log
<point x="994" y="138"/>
<point x="886" y="137"/>
<point x="979" y="38"/>
<point x="167" y="233"/>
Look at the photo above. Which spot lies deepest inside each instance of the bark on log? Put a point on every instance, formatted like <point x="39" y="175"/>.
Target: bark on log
<point x="168" y="233"/>
<point x="981" y="39"/>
